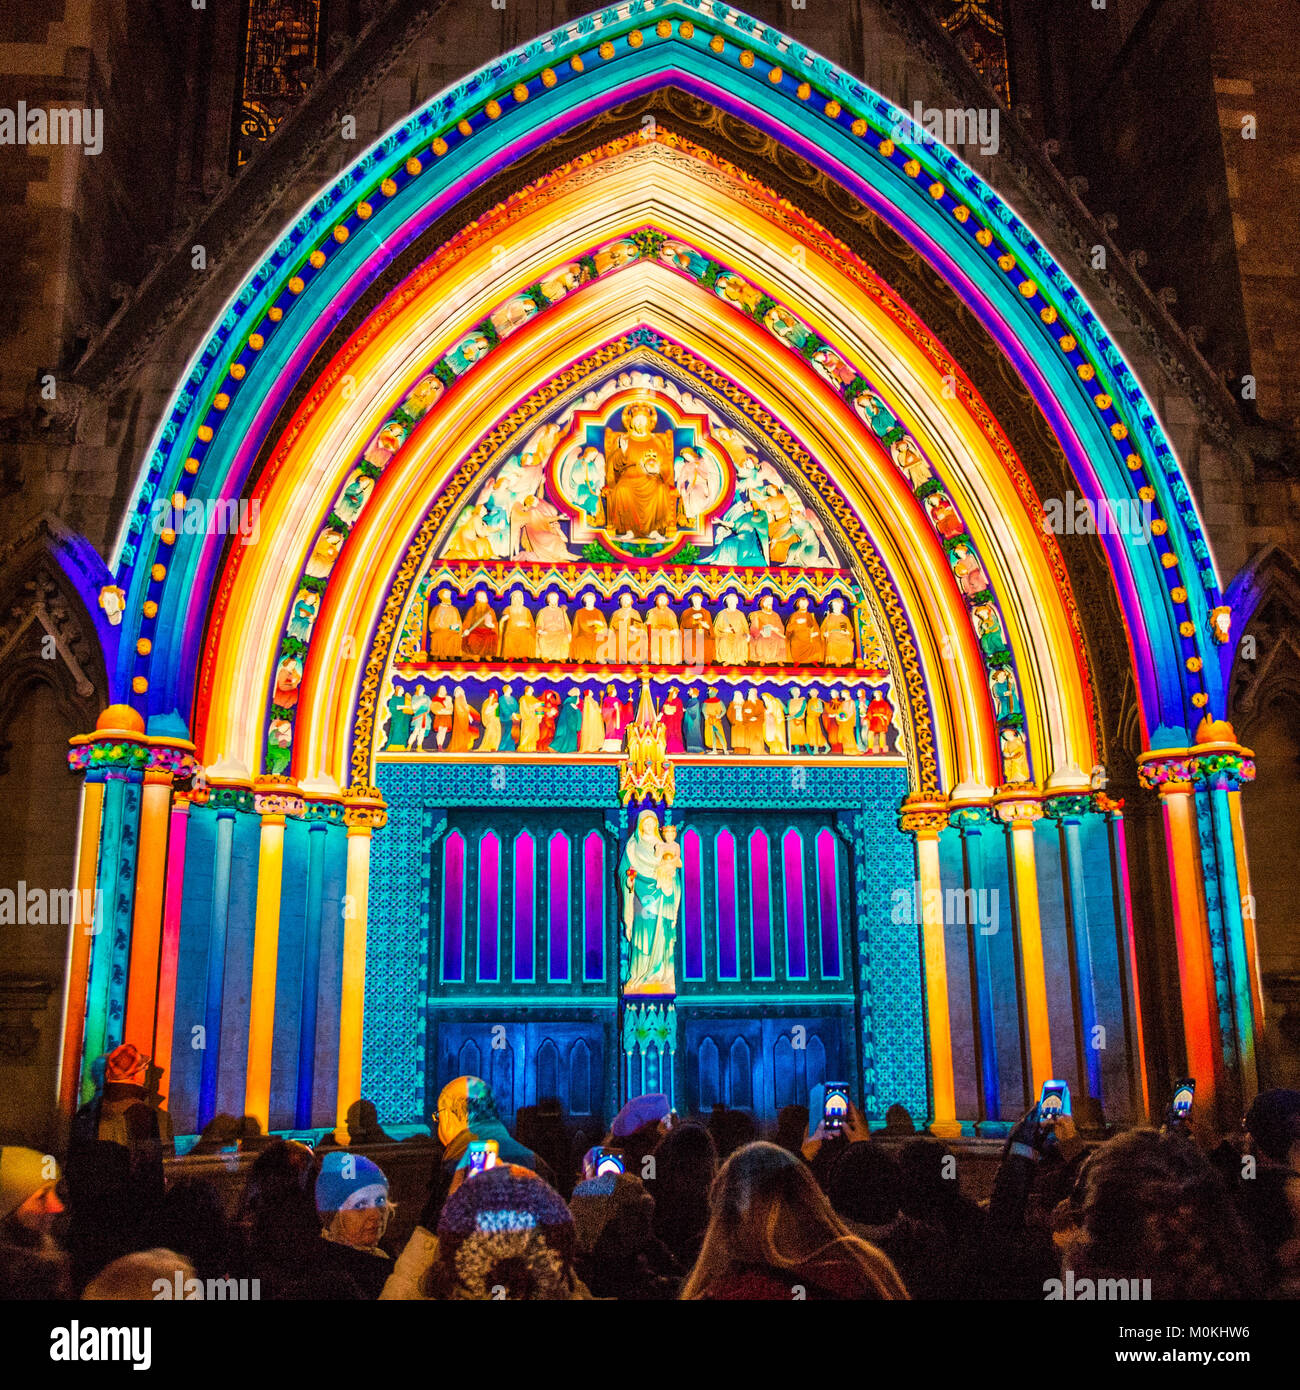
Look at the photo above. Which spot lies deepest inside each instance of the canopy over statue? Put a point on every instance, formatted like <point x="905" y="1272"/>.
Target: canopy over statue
<point x="650" y="880"/>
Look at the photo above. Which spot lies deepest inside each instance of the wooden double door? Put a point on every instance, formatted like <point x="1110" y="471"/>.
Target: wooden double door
<point x="526" y="1061"/>
<point x="760" y="1064"/>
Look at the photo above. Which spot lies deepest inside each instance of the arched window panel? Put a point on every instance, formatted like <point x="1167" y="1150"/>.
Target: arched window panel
<point x="693" y="907"/>
<point x="828" y="904"/>
<point x="760" y="905"/>
<point x="796" y="926"/>
<point x="525" y="917"/>
<point x="489" y="907"/>
<point x="453" y="908"/>
<point x="557" y="916"/>
<point x="724" y="851"/>
<point x="593" y="907"/>
<point x="548" y="1071"/>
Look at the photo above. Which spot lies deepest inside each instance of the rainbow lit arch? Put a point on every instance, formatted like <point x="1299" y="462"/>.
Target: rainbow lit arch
<point x="320" y="321"/>
<point x="357" y="226"/>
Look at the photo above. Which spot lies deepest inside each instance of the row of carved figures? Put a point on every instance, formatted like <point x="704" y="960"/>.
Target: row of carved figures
<point x="587" y="721"/>
<point x="728" y="638"/>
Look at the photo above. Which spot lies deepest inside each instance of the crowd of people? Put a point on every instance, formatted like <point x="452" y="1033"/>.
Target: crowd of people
<point x="664" y="1208"/>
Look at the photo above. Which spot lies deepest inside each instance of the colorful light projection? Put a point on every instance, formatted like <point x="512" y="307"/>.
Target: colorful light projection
<point x="816" y="349"/>
<point x="692" y="57"/>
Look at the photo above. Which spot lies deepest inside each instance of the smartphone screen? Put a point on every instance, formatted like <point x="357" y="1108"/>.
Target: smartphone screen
<point x="609" y="1161"/>
<point x="835" y="1107"/>
<point x="1184" y="1094"/>
<point x="483" y="1154"/>
<point x="1053" y="1102"/>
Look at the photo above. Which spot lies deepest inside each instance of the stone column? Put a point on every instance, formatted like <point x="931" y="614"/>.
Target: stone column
<point x="364" y="811"/>
<point x="925" y="820"/>
<point x="1019" y="811"/>
<point x="274" y="798"/>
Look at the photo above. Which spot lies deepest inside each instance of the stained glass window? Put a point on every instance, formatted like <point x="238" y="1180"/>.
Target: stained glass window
<point x="760" y="905"/>
<point x="453" y="907"/>
<point x="280" y="52"/>
<point x="693" y="908"/>
<point x="524" y="918"/>
<point x="828" y="903"/>
<point x="593" y="910"/>
<point x="489" y="907"/>
<point x="796" y="945"/>
<point x="977" y="26"/>
<point x="557" y="959"/>
<point x="728" y="947"/>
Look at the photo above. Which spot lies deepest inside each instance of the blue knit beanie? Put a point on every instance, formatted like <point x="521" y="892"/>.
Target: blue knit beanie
<point x="343" y="1178"/>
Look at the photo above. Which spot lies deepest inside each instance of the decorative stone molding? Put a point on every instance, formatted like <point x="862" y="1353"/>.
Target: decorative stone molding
<point x="23" y="1001"/>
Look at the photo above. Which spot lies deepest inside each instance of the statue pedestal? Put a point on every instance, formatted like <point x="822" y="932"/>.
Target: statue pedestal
<point x="649" y="1044"/>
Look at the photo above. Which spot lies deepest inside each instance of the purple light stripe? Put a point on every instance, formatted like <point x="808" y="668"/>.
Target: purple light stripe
<point x="728" y="945"/>
<point x="524" y="918"/>
<point x="828" y="904"/>
<point x="693" y="908"/>
<point x="593" y="907"/>
<point x="453" y="907"/>
<point x="557" y="962"/>
<point x="796" y="944"/>
<point x="760" y="905"/>
<point x="489" y="907"/>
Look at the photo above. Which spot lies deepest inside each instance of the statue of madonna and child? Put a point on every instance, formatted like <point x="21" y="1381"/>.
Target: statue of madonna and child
<point x="650" y="881"/>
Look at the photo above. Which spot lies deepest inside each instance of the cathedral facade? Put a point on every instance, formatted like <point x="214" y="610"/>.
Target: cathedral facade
<point x="662" y="572"/>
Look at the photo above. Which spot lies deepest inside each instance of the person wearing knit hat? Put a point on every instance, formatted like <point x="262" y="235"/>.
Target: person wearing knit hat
<point x="28" y="1180"/>
<point x="352" y="1199"/>
<point x="618" y="1254"/>
<point x="597" y="1200"/>
<point x="31" y="1264"/>
<point x="638" y="1127"/>
<point x="639" y="1112"/>
<point x="505" y="1234"/>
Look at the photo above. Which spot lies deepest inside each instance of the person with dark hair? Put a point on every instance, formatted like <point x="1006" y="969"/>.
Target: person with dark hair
<point x="1270" y="1200"/>
<point x="617" y="1252"/>
<point x="363" y="1125"/>
<point x="541" y="1128"/>
<point x="192" y="1221"/>
<point x="1152" y="1207"/>
<point x="1017" y="1256"/>
<point x="930" y="1192"/>
<point x="505" y="1234"/>
<point x="865" y="1188"/>
<point x="772" y="1234"/>
<point x="731" y="1130"/>
<point x="792" y="1127"/>
<point x="686" y="1163"/>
